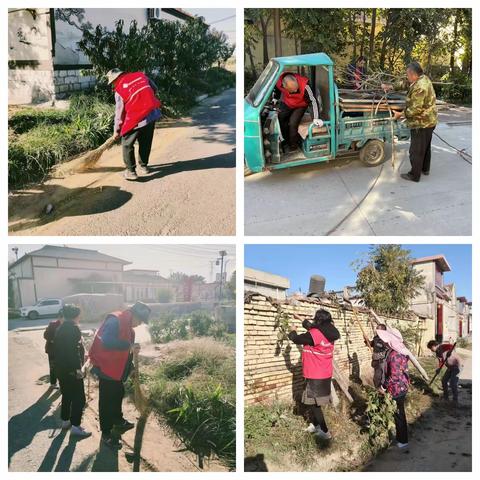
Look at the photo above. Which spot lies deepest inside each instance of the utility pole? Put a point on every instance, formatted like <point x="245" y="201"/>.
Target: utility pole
<point x="222" y="254"/>
<point x="277" y="32"/>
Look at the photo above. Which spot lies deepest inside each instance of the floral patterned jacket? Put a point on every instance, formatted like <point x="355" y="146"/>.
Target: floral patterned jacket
<point x="396" y="377"/>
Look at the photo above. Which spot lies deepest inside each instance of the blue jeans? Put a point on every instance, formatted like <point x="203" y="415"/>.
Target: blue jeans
<point x="450" y="378"/>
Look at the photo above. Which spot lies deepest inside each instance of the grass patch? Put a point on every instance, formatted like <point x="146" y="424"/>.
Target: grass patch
<point x="42" y="138"/>
<point x="194" y="391"/>
<point x="275" y="434"/>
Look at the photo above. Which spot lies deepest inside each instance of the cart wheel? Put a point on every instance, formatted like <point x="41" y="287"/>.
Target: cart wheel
<point x="373" y="153"/>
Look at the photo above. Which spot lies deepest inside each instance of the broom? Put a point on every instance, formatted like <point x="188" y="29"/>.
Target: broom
<point x="93" y="157"/>
<point x="141" y="401"/>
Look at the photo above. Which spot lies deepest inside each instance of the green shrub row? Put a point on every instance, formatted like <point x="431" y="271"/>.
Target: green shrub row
<point x="40" y="139"/>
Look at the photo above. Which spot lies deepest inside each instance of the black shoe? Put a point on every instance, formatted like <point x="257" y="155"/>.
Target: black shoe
<point x="426" y="173"/>
<point x="407" y="176"/>
<point x="111" y="441"/>
<point x="124" y="426"/>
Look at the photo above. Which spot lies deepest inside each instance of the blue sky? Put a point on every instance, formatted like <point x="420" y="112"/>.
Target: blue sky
<point x="298" y="262"/>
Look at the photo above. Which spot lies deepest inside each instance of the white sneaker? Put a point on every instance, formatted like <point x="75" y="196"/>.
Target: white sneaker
<point x="79" y="432"/>
<point x="311" y="428"/>
<point x="66" y="424"/>
<point x="323" y="435"/>
<point x="402" y="445"/>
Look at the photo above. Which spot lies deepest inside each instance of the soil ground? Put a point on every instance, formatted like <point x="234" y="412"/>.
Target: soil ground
<point x="37" y="444"/>
<point x="440" y="438"/>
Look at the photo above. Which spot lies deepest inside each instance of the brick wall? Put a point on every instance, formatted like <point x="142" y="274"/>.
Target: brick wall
<point x="68" y="81"/>
<point x="273" y="368"/>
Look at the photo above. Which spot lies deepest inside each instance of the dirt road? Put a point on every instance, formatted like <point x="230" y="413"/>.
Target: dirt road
<point x="441" y="441"/>
<point x="190" y="191"/>
<point x="37" y="444"/>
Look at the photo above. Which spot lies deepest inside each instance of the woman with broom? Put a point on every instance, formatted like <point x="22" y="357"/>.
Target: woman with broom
<point x="317" y="365"/>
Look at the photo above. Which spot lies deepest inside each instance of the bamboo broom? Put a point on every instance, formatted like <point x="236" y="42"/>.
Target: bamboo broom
<point x="93" y="157"/>
<point x="141" y="401"/>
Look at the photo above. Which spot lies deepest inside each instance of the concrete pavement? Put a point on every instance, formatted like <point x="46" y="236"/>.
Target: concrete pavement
<point x="312" y="200"/>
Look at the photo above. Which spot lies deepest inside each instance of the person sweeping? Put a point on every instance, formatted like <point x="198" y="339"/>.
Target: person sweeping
<point x="447" y="357"/>
<point x="317" y="365"/>
<point x="136" y="111"/>
<point x="111" y="356"/>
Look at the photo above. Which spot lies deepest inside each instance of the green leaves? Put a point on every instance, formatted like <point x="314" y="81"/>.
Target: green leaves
<point x="387" y="280"/>
<point x="380" y="412"/>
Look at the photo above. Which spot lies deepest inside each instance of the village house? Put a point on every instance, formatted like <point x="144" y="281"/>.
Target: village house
<point x="56" y="272"/>
<point x="265" y="283"/>
<point x="44" y="60"/>
<point x="438" y="300"/>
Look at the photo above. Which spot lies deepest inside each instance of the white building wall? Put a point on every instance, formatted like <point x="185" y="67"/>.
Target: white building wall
<point x="30" y="72"/>
<point x="424" y="304"/>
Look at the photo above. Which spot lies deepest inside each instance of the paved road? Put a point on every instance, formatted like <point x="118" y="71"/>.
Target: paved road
<point x="191" y="190"/>
<point x="312" y="200"/>
<point x="35" y="442"/>
<point x="441" y="441"/>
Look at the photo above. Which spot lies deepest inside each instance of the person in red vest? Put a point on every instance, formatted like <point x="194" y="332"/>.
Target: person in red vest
<point x="49" y="336"/>
<point x="111" y="357"/>
<point x="136" y="111"/>
<point x="317" y="364"/>
<point x="296" y="96"/>
<point x="445" y="355"/>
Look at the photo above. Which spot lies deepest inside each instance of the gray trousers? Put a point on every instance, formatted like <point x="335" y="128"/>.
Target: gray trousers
<point x="450" y="378"/>
<point x="144" y="136"/>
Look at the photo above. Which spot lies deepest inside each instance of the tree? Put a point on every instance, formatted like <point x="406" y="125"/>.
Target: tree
<point x="387" y="280"/>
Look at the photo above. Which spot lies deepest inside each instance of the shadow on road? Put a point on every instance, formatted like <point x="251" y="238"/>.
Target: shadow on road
<point x="30" y="205"/>
<point x="106" y="459"/>
<point x="23" y="427"/>
<point x="224" y="160"/>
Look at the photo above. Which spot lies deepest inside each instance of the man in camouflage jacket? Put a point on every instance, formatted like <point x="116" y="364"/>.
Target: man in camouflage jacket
<point x="421" y="115"/>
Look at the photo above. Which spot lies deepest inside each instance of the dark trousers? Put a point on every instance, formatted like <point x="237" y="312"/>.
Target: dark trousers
<point x="318" y="418"/>
<point x="420" y="151"/>
<point x="110" y="398"/>
<point x="73" y="398"/>
<point x="401" y="420"/>
<point x="450" y="378"/>
<point x="144" y="136"/>
<point x="51" y="365"/>
<point x="289" y="120"/>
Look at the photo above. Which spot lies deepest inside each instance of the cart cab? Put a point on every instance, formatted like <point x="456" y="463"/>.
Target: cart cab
<point x="341" y="132"/>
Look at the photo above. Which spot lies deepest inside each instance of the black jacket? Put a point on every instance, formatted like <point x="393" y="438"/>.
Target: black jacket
<point x="68" y="349"/>
<point x="328" y="329"/>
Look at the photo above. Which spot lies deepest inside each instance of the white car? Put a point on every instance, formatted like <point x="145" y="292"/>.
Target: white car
<point x="47" y="307"/>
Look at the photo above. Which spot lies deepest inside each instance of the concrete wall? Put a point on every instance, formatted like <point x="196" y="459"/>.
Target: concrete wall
<point x="30" y="73"/>
<point x="273" y="368"/>
<point x="96" y="306"/>
<point x="424" y="303"/>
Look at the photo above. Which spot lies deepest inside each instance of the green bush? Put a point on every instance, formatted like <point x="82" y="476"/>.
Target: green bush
<point x="45" y="137"/>
<point x="380" y="413"/>
<point x="458" y="88"/>
<point x="200" y="323"/>
<point x="196" y="395"/>
<point x="177" y="56"/>
<point x="168" y="327"/>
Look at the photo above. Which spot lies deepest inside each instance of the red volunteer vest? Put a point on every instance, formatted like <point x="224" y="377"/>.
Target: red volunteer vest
<point x="317" y="361"/>
<point x="297" y="99"/>
<point x="138" y="98"/>
<point x="112" y="362"/>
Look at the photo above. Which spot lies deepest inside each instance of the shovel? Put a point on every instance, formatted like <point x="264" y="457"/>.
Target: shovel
<point x="346" y="298"/>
